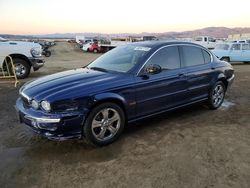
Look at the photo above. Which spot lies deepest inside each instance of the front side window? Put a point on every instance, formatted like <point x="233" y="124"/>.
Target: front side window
<point x="168" y="58"/>
<point x="192" y="56"/>
<point x="235" y="47"/>
<point x="211" y="39"/>
<point x="207" y="56"/>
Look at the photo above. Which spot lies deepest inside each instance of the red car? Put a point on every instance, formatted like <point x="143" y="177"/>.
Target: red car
<point x="94" y="48"/>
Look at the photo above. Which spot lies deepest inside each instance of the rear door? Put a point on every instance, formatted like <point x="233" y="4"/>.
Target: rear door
<point x="235" y="52"/>
<point x="163" y="90"/>
<point x="197" y="64"/>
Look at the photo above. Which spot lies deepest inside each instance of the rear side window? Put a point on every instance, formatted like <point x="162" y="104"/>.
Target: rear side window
<point x="168" y="58"/>
<point x="206" y="56"/>
<point x="192" y="56"/>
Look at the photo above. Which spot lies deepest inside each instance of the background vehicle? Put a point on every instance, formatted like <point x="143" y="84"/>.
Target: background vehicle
<point x="24" y="54"/>
<point x="206" y="41"/>
<point x="233" y="52"/>
<point x="126" y="84"/>
<point x="45" y="50"/>
<point x="91" y="47"/>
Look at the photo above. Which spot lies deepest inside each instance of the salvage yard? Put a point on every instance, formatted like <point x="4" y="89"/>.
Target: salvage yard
<point x="191" y="147"/>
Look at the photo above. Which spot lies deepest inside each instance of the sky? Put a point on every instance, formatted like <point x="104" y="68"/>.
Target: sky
<point x="119" y="16"/>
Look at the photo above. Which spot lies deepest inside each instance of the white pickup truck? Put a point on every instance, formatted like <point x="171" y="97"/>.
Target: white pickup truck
<point x="24" y="54"/>
<point x="206" y="41"/>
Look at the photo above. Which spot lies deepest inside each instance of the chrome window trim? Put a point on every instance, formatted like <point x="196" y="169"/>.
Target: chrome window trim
<point x="170" y="45"/>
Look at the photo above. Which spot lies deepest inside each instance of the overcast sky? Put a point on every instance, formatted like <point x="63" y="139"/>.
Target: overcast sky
<point x="119" y="16"/>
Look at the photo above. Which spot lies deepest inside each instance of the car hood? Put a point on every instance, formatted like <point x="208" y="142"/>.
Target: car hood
<point x="72" y="84"/>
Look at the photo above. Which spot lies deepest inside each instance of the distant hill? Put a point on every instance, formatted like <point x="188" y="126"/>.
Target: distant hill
<point x="218" y="32"/>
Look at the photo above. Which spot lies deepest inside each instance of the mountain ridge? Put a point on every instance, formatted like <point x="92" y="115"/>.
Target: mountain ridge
<point x="218" y="32"/>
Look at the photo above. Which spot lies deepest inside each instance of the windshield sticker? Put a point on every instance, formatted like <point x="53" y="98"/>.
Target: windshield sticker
<point x="146" y="49"/>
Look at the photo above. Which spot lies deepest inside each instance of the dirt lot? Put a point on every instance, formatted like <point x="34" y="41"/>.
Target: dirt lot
<point x="192" y="147"/>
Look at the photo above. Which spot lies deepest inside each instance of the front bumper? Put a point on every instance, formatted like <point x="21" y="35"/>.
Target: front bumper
<point x="37" y="63"/>
<point x="59" y="126"/>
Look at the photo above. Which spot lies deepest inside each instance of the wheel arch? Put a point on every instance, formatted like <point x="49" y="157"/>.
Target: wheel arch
<point x="223" y="79"/>
<point x="106" y="98"/>
<point x="110" y="97"/>
<point x="225" y="57"/>
<point x="21" y="56"/>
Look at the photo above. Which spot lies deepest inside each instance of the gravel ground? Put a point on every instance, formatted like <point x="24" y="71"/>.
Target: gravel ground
<point x="192" y="147"/>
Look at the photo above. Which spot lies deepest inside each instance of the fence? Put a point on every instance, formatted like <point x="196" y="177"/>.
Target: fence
<point x="8" y="73"/>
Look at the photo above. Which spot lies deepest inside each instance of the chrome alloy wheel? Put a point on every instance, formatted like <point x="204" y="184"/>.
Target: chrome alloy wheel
<point x="106" y="124"/>
<point x="218" y="95"/>
<point x="20" y="69"/>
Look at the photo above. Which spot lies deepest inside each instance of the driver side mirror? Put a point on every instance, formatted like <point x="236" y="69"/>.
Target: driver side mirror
<point x="153" y="69"/>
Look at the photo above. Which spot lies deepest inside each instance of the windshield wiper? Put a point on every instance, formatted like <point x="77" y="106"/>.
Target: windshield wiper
<point x="98" y="69"/>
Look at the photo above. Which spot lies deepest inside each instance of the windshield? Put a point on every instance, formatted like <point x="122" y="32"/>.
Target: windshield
<point x="222" y="47"/>
<point x="2" y="39"/>
<point x="120" y="59"/>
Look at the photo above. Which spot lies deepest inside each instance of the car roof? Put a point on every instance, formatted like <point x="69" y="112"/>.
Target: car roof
<point x="158" y="44"/>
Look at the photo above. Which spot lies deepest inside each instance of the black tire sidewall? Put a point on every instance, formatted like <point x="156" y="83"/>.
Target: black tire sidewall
<point x="47" y="54"/>
<point x="210" y="100"/>
<point x="87" y="131"/>
<point x="25" y="64"/>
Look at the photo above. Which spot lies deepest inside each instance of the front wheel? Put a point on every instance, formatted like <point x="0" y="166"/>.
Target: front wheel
<point x="216" y="95"/>
<point x="47" y="53"/>
<point x="104" y="124"/>
<point x="22" y="68"/>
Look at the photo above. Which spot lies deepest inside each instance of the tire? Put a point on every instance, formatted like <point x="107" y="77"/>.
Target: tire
<point x="225" y="59"/>
<point x="216" y="95"/>
<point x="95" y="50"/>
<point x="104" y="124"/>
<point x="22" y="68"/>
<point x="47" y="54"/>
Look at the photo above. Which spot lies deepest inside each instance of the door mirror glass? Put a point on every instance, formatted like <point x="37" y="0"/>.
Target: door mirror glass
<point x="153" y="69"/>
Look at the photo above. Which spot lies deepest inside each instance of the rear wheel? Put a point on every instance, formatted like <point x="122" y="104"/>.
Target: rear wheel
<point x="104" y="124"/>
<point x="216" y="95"/>
<point x="22" y="68"/>
<point x="95" y="50"/>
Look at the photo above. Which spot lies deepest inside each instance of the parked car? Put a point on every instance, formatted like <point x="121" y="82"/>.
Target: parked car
<point x="124" y="85"/>
<point x="206" y="41"/>
<point x="233" y="52"/>
<point x="91" y="47"/>
<point x="24" y="54"/>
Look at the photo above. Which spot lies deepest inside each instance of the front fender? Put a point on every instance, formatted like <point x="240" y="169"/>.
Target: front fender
<point x="110" y="96"/>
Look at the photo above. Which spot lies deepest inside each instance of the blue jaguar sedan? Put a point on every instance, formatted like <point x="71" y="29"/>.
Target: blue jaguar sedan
<point x="124" y="85"/>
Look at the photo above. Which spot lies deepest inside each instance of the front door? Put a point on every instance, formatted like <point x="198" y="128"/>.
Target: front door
<point x="164" y="90"/>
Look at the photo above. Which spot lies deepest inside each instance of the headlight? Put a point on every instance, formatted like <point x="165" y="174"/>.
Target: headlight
<point x="46" y="106"/>
<point x="34" y="104"/>
<point x="36" y="52"/>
